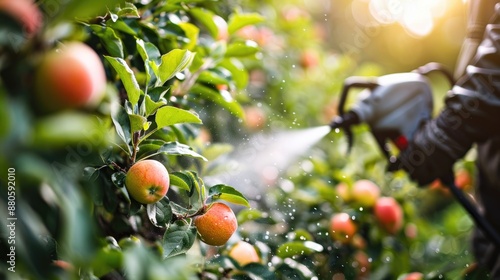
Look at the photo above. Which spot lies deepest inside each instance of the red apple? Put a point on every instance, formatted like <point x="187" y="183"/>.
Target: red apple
<point x="342" y="227"/>
<point x="309" y="59"/>
<point x="389" y="214"/>
<point x="71" y="76"/>
<point x="255" y="117"/>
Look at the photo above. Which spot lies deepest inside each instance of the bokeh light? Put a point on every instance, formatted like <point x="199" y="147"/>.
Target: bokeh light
<point x="418" y="18"/>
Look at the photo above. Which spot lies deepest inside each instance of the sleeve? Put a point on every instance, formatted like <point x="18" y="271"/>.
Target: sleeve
<point x="471" y="115"/>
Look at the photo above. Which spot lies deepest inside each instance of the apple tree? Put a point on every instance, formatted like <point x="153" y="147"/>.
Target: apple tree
<point x="168" y="66"/>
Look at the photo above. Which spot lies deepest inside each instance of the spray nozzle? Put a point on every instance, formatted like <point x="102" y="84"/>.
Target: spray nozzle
<point x="345" y="122"/>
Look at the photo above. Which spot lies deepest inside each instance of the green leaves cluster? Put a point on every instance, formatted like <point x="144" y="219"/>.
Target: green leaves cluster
<point x="161" y="70"/>
<point x="165" y="65"/>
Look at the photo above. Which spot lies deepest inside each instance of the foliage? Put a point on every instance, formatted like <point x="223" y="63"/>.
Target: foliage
<point x="71" y="202"/>
<point x="182" y="76"/>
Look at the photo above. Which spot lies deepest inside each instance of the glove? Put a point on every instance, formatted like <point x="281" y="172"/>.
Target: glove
<point x="471" y="115"/>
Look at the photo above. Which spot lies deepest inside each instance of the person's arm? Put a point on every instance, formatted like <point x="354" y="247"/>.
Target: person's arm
<point x="471" y="114"/>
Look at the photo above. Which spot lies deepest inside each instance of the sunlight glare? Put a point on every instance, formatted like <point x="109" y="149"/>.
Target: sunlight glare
<point x="417" y="17"/>
<point x="417" y="20"/>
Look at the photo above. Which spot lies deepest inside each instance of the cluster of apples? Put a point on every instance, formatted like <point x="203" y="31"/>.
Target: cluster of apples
<point x="364" y="193"/>
<point x="148" y="181"/>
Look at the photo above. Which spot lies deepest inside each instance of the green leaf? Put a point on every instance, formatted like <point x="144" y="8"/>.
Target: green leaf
<point x="152" y="106"/>
<point x="238" y="72"/>
<point x="149" y="147"/>
<point x="191" y="32"/>
<point x="160" y="213"/>
<point x="158" y="93"/>
<point x="216" y="150"/>
<point x="168" y="115"/>
<point x="226" y="100"/>
<point x="127" y="77"/>
<point x="130" y="10"/>
<point x="238" y="21"/>
<point x="118" y="179"/>
<point x="151" y="56"/>
<point x="215" y="76"/>
<point x="249" y="214"/>
<point x="124" y="25"/>
<point x="296" y="248"/>
<point x="121" y="122"/>
<point x="229" y="194"/>
<point x="178" y="149"/>
<point x="261" y="270"/>
<point x="111" y="42"/>
<point x="106" y="259"/>
<point x="178" y="239"/>
<point x="143" y="262"/>
<point x="137" y="122"/>
<point x="148" y="51"/>
<point x="90" y="173"/>
<point x="69" y="10"/>
<point x="181" y="180"/>
<point x="241" y="49"/>
<point x="68" y="128"/>
<point x="172" y="63"/>
<point x="205" y="17"/>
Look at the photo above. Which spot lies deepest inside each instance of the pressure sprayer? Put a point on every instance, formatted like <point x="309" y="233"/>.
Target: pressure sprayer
<point x="394" y="106"/>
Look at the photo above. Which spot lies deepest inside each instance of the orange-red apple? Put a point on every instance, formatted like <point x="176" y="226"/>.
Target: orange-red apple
<point x="147" y="181"/>
<point x="70" y="76"/>
<point x="342" y="227"/>
<point x="389" y="214"/>
<point x="217" y="224"/>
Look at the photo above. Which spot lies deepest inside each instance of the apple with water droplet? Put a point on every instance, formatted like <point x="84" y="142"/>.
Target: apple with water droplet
<point x="342" y="227"/>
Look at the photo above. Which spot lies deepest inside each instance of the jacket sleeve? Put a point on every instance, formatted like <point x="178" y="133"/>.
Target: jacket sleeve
<point x="471" y="115"/>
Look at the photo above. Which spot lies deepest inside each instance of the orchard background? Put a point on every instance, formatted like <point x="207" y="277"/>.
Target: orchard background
<point x="205" y="87"/>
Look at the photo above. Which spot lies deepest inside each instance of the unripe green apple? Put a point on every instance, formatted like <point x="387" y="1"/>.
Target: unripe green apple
<point x="365" y="193"/>
<point x="71" y="76"/>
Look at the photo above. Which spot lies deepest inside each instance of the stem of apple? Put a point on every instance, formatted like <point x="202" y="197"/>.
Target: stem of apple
<point x="135" y="143"/>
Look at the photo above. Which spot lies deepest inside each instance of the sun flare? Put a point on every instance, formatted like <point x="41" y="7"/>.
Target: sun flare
<point x="417" y="17"/>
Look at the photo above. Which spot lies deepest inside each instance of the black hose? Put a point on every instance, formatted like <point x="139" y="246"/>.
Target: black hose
<point x="479" y="219"/>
